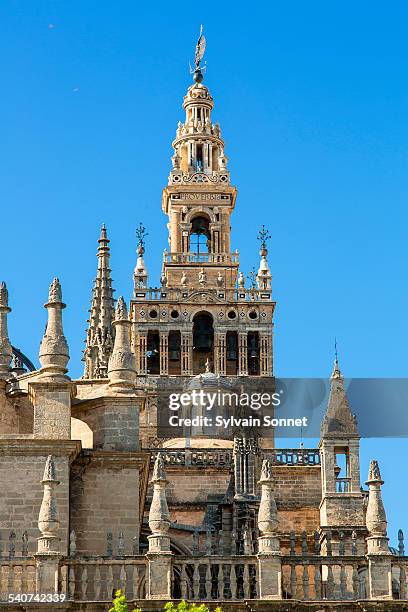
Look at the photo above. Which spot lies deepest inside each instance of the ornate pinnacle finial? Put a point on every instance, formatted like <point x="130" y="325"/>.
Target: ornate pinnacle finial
<point x="158" y="470"/>
<point x="263" y="236"/>
<point x="376" y="519"/>
<point x="266" y="470"/>
<point x="54" y="354"/>
<point x="121" y="310"/>
<point x="55" y="293"/>
<point x="374" y="474"/>
<point x="48" y="522"/>
<point x="199" y="54"/>
<point x="3" y="295"/>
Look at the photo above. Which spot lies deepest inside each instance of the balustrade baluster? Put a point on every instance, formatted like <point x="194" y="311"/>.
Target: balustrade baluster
<point x="293" y="581"/>
<point x="234" y="583"/>
<point x="246" y="582"/>
<point x="183" y="582"/>
<point x="71" y="582"/>
<point x="84" y="582"/>
<point x="356" y="583"/>
<point x="403" y="583"/>
<point x="343" y="582"/>
<point x="330" y="582"/>
<point x="196" y="581"/>
<point x="208" y="580"/>
<point x="305" y="581"/>
<point x="123" y="579"/>
<point x="317" y="582"/>
<point x="109" y="581"/>
<point x="220" y="582"/>
<point x="135" y="587"/>
<point x="97" y="583"/>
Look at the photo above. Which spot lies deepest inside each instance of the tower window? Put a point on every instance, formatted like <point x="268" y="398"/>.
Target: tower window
<point x="199" y="158"/>
<point x="200" y="235"/>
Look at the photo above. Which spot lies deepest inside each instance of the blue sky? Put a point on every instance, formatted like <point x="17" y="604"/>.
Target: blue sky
<point x="312" y="101"/>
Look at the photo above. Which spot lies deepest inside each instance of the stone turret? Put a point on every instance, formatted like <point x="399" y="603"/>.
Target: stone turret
<point x="159" y="554"/>
<point x="270" y="568"/>
<point x="54" y="355"/>
<point x="122" y="364"/>
<point x="268" y="514"/>
<point x="376" y="519"/>
<point x="6" y="351"/>
<point x="378" y="553"/>
<point x="338" y="420"/>
<point x="100" y="336"/>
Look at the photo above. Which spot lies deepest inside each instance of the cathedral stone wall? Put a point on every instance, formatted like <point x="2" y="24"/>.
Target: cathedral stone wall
<point x="21" y="474"/>
<point x="104" y="498"/>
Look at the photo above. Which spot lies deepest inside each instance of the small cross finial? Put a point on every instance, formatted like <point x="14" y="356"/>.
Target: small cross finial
<point x="335" y="350"/>
<point x="263" y="236"/>
<point x="141" y="234"/>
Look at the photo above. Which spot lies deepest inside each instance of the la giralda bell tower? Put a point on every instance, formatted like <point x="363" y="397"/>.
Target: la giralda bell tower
<point x="207" y="316"/>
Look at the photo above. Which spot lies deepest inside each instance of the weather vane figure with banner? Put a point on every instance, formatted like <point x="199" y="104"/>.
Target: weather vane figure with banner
<point x="198" y="71"/>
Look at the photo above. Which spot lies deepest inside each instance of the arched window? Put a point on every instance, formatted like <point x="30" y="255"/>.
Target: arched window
<point x="203" y="342"/>
<point x="200" y="235"/>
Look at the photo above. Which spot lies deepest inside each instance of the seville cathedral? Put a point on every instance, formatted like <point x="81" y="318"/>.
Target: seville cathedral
<point x="97" y="494"/>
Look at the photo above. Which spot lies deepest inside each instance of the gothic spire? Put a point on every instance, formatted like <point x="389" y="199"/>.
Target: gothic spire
<point x="100" y="336"/>
<point x="6" y="352"/>
<point x="339" y="420"/>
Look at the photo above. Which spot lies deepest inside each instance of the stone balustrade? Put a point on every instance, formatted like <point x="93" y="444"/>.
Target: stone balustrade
<point x="175" y="295"/>
<point x="215" y="578"/>
<point x="98" y="579"/>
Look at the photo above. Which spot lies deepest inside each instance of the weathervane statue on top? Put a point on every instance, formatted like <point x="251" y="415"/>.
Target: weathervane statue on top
<point x="199" y="54"/>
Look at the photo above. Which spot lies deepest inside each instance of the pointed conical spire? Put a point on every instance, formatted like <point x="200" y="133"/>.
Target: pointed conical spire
<point x="338" y="419"/>
<point x="100" y="336"/>
<point x="54" y="354"/>
<point x="48" y="522"/>
<point x="6" y="351"/>
<point x="122" y="363"/>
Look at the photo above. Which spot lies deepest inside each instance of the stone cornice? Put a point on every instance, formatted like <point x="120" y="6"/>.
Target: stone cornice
<point x="30" y="446"/>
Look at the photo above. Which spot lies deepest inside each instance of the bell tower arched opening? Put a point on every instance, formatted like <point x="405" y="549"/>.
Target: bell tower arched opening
<point x="203" y="342"/>
<point x="200" y="235"/>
